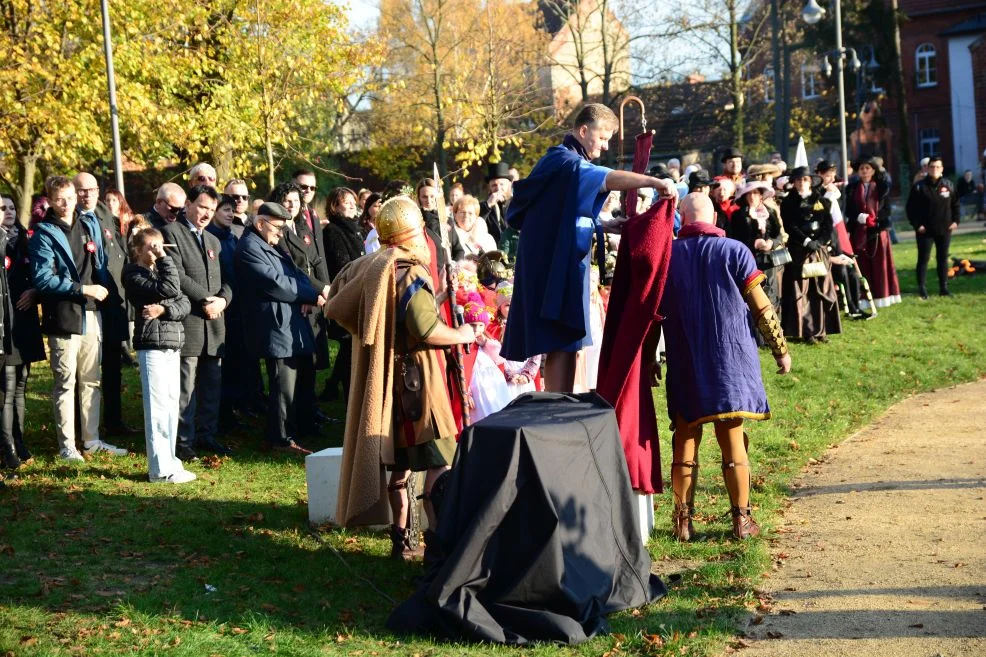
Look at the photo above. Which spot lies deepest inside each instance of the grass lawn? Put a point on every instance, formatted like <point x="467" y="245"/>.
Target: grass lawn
<point x="94" y="560"/>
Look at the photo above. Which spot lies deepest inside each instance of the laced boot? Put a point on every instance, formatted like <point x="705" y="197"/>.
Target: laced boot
<point x="684" y="509"/>
<point x="744" y="526"/>
<point x="400" y="543"/>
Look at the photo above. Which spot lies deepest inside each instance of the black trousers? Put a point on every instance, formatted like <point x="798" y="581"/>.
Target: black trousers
<point x="342" y="367"/>
<point x="306" y="395"/>
<point x="282" y="400"/>
<point x="941" y="243"/>
<point x="111" y="382"/>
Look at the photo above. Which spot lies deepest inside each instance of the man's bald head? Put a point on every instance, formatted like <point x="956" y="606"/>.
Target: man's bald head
<point x="697" y="208"/>
<point x="87" y="189"/>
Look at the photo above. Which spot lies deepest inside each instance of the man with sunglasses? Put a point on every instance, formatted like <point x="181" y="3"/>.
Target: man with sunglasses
<point x="202" y="173"/>
<point x="309" y="225"/>
<point x="169" y="205"/>
<point x="237" y="190"/>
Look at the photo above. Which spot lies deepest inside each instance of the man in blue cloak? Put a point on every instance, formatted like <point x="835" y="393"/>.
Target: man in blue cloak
<point x="556" y="210"/>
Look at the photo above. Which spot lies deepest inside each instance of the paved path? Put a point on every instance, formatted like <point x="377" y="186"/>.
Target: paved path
<point x="883" y="548"/>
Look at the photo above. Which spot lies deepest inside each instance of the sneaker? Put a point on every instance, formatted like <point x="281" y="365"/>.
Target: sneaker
<point x="180" y="477"/>
<point x="70" y="455"/>
<point x="98" y="446"/>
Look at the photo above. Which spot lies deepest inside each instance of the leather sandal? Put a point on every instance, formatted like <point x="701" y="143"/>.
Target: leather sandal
<point x="744" y="526"/>
<point x="684" y="510"/>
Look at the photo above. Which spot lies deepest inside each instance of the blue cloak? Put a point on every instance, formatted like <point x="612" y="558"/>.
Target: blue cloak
<point x="556" y="210"/>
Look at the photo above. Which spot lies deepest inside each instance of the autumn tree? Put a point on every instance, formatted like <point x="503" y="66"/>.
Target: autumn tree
<point x="590" y="45"/>
<point x="266" y="80"/>
<point x="506" y="95"/>
<point x="51" y="81"/>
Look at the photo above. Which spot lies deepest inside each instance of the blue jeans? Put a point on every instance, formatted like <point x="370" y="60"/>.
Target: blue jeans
<point x="160" y="383"/>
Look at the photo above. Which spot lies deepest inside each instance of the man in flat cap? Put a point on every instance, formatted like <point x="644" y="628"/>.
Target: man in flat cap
<point x="277" y="298"/>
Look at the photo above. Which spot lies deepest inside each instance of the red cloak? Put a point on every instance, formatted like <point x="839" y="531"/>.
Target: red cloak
<point x="638" y="284"/>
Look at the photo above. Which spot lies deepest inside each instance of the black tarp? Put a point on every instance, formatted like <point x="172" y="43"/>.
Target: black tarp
<point x="540" y="527"/>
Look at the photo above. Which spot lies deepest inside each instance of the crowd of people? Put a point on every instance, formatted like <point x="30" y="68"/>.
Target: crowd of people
<point x="207" y="285"/>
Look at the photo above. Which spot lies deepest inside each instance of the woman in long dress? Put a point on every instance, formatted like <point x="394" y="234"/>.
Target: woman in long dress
<point x="868" y="217"/>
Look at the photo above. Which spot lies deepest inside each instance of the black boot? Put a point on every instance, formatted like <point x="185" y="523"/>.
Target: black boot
<point x="400" y="543"/>
<point x="434" y="550"/>
<point x="8" y="453"/>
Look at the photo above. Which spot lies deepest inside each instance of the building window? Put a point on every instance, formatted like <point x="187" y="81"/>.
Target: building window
<point x="926" y="65"/>
<point x="768" y="84"/>
<point x="929" y="142"/>
<point x="811" y="82"/>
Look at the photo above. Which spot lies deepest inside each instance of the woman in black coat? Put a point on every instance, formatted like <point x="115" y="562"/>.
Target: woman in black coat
<point x="22" y="342"/>
<point x="343" y="244"/>
<point x="811" y="306"/>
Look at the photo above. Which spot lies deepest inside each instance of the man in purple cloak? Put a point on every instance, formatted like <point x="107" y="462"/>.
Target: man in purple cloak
<point x="714" y="376"/>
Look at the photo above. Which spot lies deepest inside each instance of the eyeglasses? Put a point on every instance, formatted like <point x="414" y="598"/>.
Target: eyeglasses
<point x="211" y="179"/>
<point x="240" y="197"/>
<point x="278" y="227"/>
<point x="87" y="190"/>
<point x="173" y="210"/>
<point x="307" y="188"/>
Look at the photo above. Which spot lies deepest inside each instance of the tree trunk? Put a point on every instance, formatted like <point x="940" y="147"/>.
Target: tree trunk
<point x="440" y="131"/>
<point x="906" y="158"/>
<point x="27" y="167"/>
<point x="269" y="150"/>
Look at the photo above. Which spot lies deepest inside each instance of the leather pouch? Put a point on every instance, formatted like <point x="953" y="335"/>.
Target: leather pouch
<point x="412" y="404"/>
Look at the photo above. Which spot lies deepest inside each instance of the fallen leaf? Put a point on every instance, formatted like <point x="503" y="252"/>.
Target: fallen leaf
<point x="918" y="625"/>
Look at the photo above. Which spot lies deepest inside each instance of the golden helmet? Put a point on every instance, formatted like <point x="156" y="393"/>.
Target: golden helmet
<point x="399" y="220"/>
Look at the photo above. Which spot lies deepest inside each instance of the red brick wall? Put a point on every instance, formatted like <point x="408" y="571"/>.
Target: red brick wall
<point x="930" y="107"/>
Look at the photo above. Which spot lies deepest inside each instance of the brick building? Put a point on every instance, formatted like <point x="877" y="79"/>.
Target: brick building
<point x="938" y="68"/>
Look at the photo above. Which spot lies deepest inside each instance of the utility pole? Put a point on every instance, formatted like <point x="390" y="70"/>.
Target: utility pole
<point x="111" y="84"/>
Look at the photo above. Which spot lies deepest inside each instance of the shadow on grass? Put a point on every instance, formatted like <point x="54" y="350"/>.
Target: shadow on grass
<point x="162" y="553"/>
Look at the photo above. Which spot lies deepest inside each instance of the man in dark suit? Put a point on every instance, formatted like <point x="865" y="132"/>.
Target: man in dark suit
<point x="309" y="223"/>
<point x="196" y="254"/>
<point x="113" y="309"/>
<point x="277" y="296"/>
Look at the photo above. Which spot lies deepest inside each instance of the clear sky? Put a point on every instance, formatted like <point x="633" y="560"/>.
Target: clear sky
<point x="363" y="13"/>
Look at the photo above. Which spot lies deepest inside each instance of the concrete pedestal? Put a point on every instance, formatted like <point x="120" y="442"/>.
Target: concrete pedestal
<point x="322" y="474"/>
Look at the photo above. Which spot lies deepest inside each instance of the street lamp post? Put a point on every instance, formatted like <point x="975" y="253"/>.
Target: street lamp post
<point x="111" y="88"/>
<point x="811" y="14"/>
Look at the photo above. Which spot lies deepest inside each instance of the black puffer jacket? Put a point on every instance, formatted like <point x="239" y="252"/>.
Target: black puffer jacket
<point x="145" y="287"/>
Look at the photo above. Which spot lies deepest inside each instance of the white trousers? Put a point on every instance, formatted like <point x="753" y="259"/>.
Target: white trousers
<point x="160" y="382"/>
